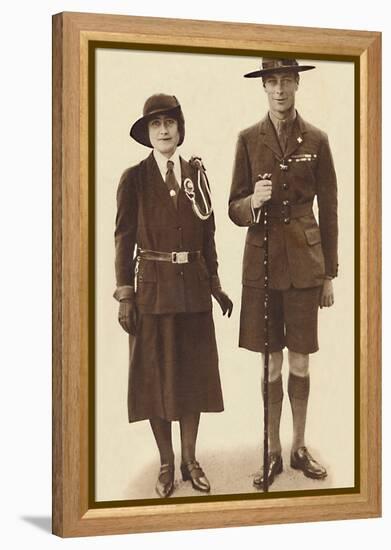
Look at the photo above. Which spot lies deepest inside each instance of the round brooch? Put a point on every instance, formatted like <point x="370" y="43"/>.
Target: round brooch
<point x="188" y="185"/>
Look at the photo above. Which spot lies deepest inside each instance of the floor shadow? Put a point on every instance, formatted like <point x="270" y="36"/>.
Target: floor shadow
<point x="230" y="472"/>
<point x="41" y="522"/>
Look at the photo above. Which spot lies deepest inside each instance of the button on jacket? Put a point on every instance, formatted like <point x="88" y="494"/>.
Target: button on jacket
<point x="301" y="252"/>
<point x="148" y="219"/>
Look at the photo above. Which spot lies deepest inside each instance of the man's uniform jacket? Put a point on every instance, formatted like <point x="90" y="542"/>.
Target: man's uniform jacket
<point x="301" y="252"/>
<point x="147" y="219"/>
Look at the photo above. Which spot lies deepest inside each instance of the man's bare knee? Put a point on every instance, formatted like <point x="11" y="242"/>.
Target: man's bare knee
<point x="275" y="364"/>
<point x="298" y="363"/>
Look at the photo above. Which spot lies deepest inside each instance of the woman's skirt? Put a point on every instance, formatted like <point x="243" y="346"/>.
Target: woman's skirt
<point x="173" y="367"/>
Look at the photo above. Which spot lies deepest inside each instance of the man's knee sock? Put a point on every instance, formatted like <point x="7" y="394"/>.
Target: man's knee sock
<point x="298" y="391"/>
<point x="276" y="395"/>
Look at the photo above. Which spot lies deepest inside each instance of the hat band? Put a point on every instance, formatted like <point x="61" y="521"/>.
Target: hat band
<point x="278" y="63"/>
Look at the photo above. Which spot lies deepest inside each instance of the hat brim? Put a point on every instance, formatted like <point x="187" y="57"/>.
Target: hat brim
<point x="139" y="131"/>
<point x="286" y="69"/>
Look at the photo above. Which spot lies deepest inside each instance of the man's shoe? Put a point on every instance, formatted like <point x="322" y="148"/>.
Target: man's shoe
<point x="302" y="460"/>
<point x="165" y="481"/>
<point x="275" y="468"/>
<point x="192" y="471"/>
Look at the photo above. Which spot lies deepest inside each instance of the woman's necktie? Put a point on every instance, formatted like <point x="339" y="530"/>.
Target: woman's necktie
<point x="171" y="182"/>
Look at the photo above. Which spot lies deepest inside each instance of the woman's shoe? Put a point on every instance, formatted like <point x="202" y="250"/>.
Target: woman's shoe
<point x="192" y="471"/>
<point x="165" y="481"/>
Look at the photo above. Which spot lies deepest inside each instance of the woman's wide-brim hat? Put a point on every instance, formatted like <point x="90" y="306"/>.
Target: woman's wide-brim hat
<point x="271" y="66"/>
<point x="157" y="104"/>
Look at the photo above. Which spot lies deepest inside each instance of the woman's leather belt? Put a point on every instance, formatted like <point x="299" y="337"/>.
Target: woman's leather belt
<point x="180" y="257"/>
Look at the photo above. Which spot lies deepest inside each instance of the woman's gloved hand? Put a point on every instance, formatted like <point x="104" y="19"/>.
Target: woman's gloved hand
<point x="223" y="300"/>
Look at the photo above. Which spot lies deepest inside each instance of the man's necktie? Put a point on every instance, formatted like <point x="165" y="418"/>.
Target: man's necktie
<point x="171" y="182"/>
<point x="282" y="132"/>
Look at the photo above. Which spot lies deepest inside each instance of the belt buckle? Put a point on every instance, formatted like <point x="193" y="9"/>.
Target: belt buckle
<point x="180" y="257"/>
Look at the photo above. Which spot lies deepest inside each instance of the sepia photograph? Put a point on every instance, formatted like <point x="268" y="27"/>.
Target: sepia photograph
<point x="216" y="262"/>
<point x="225" y="278"/>
<point x="201" y="226"/>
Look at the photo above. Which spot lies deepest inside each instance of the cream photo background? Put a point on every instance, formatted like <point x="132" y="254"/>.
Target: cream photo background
<point x="217" y="103"/>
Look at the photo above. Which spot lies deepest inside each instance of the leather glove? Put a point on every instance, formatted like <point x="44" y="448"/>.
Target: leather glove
<point x="127" y="316"/>
<point x="223" y="300"/>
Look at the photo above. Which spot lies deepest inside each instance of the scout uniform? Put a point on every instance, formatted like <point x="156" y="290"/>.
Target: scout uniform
<point x="166" y="272"/>
<point x="173" y="359"/>
<point x="302" y="253"/>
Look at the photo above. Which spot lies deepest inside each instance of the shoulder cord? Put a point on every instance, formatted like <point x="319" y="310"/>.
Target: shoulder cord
<point x="188" y="186"/>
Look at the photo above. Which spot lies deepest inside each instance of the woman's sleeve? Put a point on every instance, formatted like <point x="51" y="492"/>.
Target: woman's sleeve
<point x="125" y="230"/>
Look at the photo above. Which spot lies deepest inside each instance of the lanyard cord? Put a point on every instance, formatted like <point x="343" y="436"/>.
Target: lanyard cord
<point x="202" y="183"/>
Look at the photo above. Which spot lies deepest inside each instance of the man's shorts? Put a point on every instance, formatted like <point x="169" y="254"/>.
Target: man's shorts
<point x="293" y="319"/>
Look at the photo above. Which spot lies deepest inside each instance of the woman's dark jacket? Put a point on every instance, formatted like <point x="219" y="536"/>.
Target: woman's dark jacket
<point x="147" y="219"/>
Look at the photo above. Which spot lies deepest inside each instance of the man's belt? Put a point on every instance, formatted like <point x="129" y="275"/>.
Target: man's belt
<point x="180" y="257"/>
<point x="286" y="211"/>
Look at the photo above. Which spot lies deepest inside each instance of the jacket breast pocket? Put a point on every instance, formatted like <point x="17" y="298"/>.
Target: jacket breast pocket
<point x="303" y="171"/>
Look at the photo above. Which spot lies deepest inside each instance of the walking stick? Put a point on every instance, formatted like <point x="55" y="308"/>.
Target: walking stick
<point x="266" y="341"/>
<point x="266" y="361"/>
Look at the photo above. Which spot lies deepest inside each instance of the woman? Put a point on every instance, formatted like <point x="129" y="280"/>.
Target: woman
<point x="166" y="271"/>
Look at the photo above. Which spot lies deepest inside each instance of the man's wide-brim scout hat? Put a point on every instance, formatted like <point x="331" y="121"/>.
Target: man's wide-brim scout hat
<point x="158" y="104"/>
<point x="271" y="66"/>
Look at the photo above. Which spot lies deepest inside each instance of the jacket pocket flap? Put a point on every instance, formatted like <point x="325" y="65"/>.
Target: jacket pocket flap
<point x="313" y="235"/>
<point x="147" y="271"/>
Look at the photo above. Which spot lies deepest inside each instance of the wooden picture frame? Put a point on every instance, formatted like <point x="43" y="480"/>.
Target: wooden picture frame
<point x="73" y="34"/>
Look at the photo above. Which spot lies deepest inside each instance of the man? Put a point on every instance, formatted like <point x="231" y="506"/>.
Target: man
<point x="165" y="290"/>
<point x="282" y="163"/>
